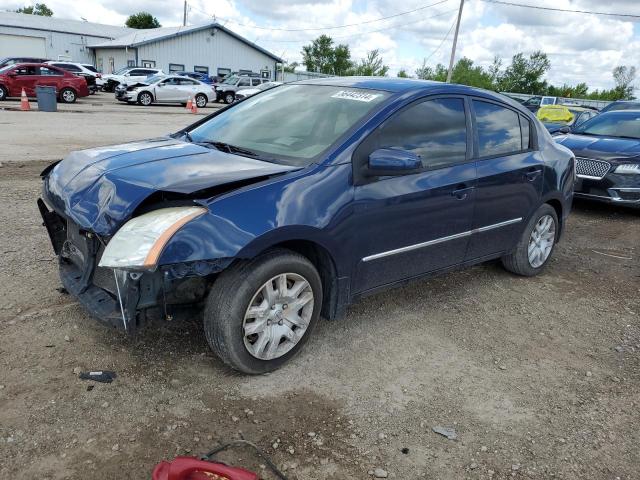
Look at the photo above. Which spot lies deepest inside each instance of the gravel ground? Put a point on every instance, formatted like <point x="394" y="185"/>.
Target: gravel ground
<point x="539" y="378"/>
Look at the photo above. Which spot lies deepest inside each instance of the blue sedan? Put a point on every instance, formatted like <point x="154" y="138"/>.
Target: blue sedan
<point x="300" y="200"/>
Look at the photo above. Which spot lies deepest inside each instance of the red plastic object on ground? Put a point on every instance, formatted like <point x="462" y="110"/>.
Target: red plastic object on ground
<point x="189" y="468"/>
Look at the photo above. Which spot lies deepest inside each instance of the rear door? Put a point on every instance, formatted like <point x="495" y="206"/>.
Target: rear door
<point x="186" y="88"/>
<point x="510" y="174"/>
<point x="412" y="224"/>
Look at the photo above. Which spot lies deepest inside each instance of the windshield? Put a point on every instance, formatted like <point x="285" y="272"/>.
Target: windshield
<point x="153" y="79"/>
<point x="614" y="124"/>
<point x="230" y="79"/>
<point x="293" y="123"/>
<point x="5" y="68"/>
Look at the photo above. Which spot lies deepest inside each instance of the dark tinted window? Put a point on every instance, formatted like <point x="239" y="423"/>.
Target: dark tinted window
<point x="525" y="128"/>
<point x="244" y="82"/>
<point x="498" y="129"/>
<point x="49" y="71"/>
<point x="137" y="73"/>
<point x="26" y="70"/>
<point x="436" y="130"/>
<point x="66" y="66"/>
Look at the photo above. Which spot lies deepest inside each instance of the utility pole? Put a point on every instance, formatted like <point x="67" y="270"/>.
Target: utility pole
<point x="455" y="42"/>
<point x="184" y="16"/>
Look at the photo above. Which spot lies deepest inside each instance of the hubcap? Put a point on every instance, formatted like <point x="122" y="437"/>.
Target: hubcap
<point x="278" y="316"/>
<point x="541" y="241"/>
<point x="200" y="101"/>
<point x="68" y="96"/>
<point x="230" y="98"/>
<point x="146" y="99"/>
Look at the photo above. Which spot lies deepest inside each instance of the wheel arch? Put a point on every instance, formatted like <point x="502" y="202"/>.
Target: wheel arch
<point x="558" y="206"/>
<point x="153" y="97"/>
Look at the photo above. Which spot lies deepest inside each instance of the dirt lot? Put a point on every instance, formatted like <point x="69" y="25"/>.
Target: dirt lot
<point x="539" y="377"/>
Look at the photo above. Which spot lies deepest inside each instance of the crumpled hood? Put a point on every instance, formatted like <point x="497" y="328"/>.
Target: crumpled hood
<point x="101" y="187"/>
<point x="610" y="149"/>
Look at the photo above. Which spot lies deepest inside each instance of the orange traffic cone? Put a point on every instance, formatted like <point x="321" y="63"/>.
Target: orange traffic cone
<point x="24" y="102"/>
<point x="194" y="107"/>
<point x="189" y="104"/>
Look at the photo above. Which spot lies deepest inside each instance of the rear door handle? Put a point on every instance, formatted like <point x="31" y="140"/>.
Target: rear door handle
<point x="531" y="175"/>
<point x="461" y="192"/>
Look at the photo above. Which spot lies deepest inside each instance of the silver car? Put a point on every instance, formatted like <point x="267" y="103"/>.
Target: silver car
<point x="167" y="89"/>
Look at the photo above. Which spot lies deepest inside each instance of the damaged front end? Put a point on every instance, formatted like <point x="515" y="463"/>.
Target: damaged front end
<point x="124" y="297"/>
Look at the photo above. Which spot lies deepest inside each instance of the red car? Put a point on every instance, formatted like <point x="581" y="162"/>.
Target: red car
<point x="14" y="78"/>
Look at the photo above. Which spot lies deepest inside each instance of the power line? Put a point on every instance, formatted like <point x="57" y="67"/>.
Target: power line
<point x="389" y="27"/>
<point x="407" y="12"/>
<point x="553" y="9"/>
<point x="441" y="43"/>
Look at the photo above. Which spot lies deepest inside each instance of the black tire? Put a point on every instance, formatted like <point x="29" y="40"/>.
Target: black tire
<point x="201" y="100"/>
<point x="3" y="93"/>
<point x="229" y="97"/>
<point x="145" y="99"/>
<point x="231" y="295"/>
<point x="68" y="95"/>
<point x="518" y="260"/>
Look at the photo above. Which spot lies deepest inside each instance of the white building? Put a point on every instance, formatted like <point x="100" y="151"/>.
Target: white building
<point x="210" y="48"/>
<point x="54" y="38"/>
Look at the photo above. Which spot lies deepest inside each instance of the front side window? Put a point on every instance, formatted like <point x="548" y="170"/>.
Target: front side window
<point x="498" y="129"/>
<point x="244" y="82"/>
<point x="436" y="130"/>
<point x="26" y="70"/>
<point x="310" y="119"/>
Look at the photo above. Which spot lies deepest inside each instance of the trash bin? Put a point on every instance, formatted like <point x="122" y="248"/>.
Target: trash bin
<point x="47" y="100"/>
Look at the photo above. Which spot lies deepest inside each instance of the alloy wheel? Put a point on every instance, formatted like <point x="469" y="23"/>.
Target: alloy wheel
<point x="68" y="96"/>
<point x="541" y="241"/>
<point x="200" y="101"/>
<point x="278" y="316"/>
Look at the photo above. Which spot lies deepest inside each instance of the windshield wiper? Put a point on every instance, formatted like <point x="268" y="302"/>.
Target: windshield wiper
<point x="227" y="147"/>
<point x="187" y="135"/>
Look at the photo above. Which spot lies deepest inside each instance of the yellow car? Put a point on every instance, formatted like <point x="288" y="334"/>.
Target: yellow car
<point x="554" y="117"/>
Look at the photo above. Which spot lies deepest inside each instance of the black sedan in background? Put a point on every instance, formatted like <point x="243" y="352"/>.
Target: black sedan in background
<point x="607" y="150"/>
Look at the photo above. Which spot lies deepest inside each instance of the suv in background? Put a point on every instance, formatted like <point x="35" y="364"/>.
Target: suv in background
<point x="226" y="90"/>
<point x="81" y="71"/>
<point x="128" y="76"/>
<point x="13" y="60"/>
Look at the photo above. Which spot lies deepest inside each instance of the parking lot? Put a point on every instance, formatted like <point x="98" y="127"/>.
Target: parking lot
<point x="539" y="377"/>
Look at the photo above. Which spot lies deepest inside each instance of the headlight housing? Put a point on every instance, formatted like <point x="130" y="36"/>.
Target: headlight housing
<point x="628" y="169"/>
<point x="139" y="242"/>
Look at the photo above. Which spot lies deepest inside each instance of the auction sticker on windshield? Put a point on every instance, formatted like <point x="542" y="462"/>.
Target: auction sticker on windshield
<point x="357" y="96"/>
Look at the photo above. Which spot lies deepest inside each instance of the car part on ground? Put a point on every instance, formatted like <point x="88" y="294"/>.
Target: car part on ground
<point x="607" y="150"/>
<point x="360" y="185"/>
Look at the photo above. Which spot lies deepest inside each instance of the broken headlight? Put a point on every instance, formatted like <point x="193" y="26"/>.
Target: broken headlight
<point x="140" y="241"/>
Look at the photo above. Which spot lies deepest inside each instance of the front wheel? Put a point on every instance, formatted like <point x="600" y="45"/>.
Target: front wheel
<point x="261" y="312"/>
<point x="145" y="99"/>
<point x="67" y="95"/>
<point x="229" y="98"/>
<point x="536" y="244"/>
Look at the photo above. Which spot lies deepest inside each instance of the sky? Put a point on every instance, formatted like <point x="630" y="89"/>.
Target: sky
<point x="581" y="47"/>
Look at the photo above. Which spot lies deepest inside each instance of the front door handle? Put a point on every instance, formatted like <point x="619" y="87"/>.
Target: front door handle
<point x="461" y="192"/>
<point x="532" y="174"/>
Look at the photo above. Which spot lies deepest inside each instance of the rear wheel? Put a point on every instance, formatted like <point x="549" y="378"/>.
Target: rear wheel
<point x="536" y="244"/>
<point x="261" y="312"/>
<point x="145" y="99"/>
<point x="3" y="93"/>
<point x="229" y="97"/>
<point x="201" y="100"/>
<point x="68" y="95"/>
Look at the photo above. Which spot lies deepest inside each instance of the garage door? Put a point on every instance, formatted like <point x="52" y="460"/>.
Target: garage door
<point x="22" y="46"/>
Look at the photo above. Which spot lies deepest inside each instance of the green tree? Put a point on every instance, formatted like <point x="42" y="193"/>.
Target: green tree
<point x="466" y="73"/>
<point x="524" y="75"/>
<point x="402" y="73"/>
<point x="623" y="77"/>
<point x="37" y="9"/>
<point x="291" y="67"/>
<point x="142" y="20"/>
<point x="323" y="57"/>
<point x="371" y="66"/>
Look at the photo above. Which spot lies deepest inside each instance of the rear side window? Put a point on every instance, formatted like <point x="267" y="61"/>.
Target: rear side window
<point x="244" y="82"/>
<point x="436" y="130"/>
<point x="50" y="71"/>
<point x="498" y="129"/>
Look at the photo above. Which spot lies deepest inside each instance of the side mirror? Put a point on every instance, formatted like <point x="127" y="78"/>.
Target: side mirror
<point x="391" y="161"/>
<point x="566" y="129"/>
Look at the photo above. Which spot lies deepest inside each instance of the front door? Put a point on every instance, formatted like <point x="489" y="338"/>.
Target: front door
<point x="412" y="224"/>
<point x="167" y="90"/>
<point x="25" y="78"/>
<point x="510" y="175"/>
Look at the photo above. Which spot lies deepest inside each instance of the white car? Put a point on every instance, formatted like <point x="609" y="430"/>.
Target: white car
<point x="94" y="80"/>
<point x="128" y="76"/>
<point x="166" y="89"/>
<point x="247" y="92"/>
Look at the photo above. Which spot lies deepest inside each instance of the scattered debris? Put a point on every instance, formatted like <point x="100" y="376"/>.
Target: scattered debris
<point x="380" y="473"/>
<point x="450" y="433"/>
<point x="405" y="450"/>
<point x="589" y="374"/>
<point x="102" y="376"/>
